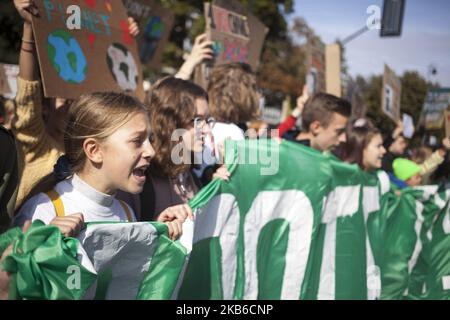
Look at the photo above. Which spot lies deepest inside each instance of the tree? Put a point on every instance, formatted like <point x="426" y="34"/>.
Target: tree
<point x="414" y="90"/>
<point x="190" y="22"/>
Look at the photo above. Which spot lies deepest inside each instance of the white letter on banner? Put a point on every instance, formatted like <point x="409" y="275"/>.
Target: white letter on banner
<point x="371" y="203"/>
<point x="220" y="218"/>
<point x="417" y="227"/>
<point x="446" y="221"/>
<point x="446" y="228"/>
<point x="341" y="202"/>
<point x="74" y="281"/>
<point x="295" y="207"/>
<point x="374" y="20"/>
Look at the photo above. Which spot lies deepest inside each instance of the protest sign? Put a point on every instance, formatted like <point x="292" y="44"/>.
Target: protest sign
<point x="436" y="102"/>
<point x="391" y="94"/>
<point x="315" y="65"/>
<point x="101" y="55"/>
<point x="237" y="36"/>
<point x="333" y="69"/>
<point x="155" y="24"/>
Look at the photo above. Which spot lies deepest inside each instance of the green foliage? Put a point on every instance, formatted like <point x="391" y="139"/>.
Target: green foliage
<point x="414" y="89"/>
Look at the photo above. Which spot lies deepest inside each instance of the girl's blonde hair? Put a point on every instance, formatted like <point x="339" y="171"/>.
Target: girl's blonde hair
<point x="96" y="115"/>
<point x="233" y="93"/>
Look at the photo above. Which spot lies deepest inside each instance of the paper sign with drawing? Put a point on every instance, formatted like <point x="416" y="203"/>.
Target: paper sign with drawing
<point x="100" y="56"/>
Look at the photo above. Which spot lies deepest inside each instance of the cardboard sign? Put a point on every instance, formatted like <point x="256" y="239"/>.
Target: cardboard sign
<point x="436" y="102"/>
<point x="10" y="72"/>
<point x="155" y="24"/>
<point x="271" y="115"/>
<point x="258" y="33"/>
<point x="333" y="69"/>
<point x="408" y="126"/>
<point x="237" y="36"/>
<point x="315" y="65"/>
<point x="391" y="94"/>
<point x="447" y="124"/>
<point x="100" y="56"/>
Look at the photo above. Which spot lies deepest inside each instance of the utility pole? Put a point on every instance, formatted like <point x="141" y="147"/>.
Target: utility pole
<point x="355" y="35"/>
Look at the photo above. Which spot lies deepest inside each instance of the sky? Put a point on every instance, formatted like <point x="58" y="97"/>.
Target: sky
<point x="425" y="38"/>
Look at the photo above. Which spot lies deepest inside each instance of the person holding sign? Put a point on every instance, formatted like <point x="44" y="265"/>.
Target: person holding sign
<point x="39" y="123"/>
<point x="290" y="121"/>
<point x="430" y="164"/>
<point x="201" y="51"/>
<point x="396" y="145"/>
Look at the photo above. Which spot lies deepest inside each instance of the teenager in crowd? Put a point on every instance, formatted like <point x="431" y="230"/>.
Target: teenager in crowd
<point x="363" y="145"/>
<point x="107" y="149"/>
<point x="395" y="145"/>
<point x="39" y="123"/>
<point x="180" y="121"/>
<point x="324" y="121"/>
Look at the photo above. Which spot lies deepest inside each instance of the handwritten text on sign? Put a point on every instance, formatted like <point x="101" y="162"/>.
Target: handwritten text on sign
<point x="228" y="22"/>
<point x="231" y="50"/>
<point x="229" y="33"/>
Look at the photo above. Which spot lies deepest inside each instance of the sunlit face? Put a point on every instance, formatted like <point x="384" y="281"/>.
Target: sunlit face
<point x="194" y="137"/>
<point x="373" y="153"/>
<point x="326" y="139"/>
<point x="415" y="180"/>
<point x="126" y="155"/>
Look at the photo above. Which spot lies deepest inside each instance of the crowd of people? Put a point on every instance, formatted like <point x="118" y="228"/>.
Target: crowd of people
<point x="110" y="157"/>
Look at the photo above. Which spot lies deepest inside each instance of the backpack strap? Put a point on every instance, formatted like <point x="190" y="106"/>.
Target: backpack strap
<point x="126" y="209"/>
<point x="57" y="203"/>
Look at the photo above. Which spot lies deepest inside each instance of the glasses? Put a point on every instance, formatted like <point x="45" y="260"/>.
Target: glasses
<point x="200" y="122"/>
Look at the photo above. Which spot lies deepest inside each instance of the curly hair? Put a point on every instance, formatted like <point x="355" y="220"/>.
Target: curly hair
<point x="172" y="105"/>
<point x="233" y="93"/>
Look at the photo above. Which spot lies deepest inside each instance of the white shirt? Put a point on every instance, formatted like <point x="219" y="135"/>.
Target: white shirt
<point x="77" y="197"/>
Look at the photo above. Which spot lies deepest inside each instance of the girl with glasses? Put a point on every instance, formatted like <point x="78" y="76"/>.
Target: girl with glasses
<point x="181" y="123"/>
